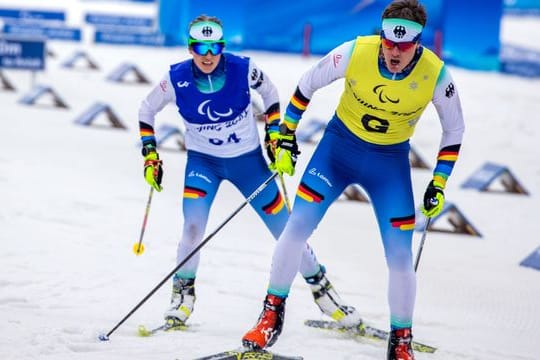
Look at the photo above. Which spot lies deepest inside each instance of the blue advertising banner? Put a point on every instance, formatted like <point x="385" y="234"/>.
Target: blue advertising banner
<point x="520" y="61"/>
<point x="153" y="39"/>
<point x="20" y="53"/>
<point x="53" y="33"/>
<point x="321" y="25"/>
<point x="32" y="15"/>
<point x="174" y="17"/>
<point x="140" y="1"/>
<point x="476" y="46"/>
<point x="522" y="7"/>
<point x="313" y="29"/>
<point x="116" y="20"/>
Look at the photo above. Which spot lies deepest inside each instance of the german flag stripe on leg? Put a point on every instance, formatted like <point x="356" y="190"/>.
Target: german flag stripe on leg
<point x="403" y="223"/>
<point x="308" y="194"/>
<point x="275" y="205"/>
<point x="193" y="193"/>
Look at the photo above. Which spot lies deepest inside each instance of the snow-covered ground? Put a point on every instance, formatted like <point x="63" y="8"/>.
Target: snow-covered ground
<point x="73" y="200"/>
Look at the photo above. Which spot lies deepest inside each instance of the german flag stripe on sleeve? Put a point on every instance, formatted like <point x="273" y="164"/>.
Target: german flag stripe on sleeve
<point x="145" y="129"/>
<point x="295" y="109"/>
<point x="299" y="101"/>
<point x="449" y="153"/>
<point x="273" y="114"/>
<point x="272" y="117"/>
<point x="147" y="134"/>
<point x="447" y="156"/>
<point x="446" y="160"/>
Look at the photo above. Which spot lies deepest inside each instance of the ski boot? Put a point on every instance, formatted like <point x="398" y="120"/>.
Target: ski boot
<point x="182" y="300"/>
<point x="329" y="302"/>
<point x="399" y="345"/>
<point x="265" y="333"/>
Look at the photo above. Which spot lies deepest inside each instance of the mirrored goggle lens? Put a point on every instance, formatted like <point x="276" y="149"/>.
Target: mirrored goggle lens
<point x="202" y="48"/>
<point x="402" y="46"/>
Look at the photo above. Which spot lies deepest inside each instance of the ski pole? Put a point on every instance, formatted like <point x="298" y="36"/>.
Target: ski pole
<point x="434" y="202"/>
<point x="284" y="188"/>
<point x="138" y="248"/>
<point x="421" y="246"/>
<point x="105" y="337"/>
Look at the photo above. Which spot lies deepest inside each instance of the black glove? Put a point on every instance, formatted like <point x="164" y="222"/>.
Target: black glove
<point x="433" y="199"/>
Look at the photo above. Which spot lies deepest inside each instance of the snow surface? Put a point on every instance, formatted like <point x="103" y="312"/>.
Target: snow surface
<point x="74" y="198"/>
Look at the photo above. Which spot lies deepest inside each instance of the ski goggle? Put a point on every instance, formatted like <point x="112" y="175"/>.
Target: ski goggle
<point x="203" y="47"/>
<point x="402" y="46"/>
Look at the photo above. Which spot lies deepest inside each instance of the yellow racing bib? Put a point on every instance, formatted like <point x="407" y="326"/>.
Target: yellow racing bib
<point x="380" y="110"/>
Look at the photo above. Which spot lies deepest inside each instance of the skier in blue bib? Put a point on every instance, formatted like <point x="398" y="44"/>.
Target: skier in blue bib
<point x="212" y="93"/>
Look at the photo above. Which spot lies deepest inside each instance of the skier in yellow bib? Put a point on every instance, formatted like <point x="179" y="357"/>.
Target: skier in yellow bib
<point x="389" y="81"/>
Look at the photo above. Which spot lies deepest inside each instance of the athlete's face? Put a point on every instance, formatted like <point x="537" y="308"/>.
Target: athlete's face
<point x="396" y="57"/>
<point x="206" y="63"/>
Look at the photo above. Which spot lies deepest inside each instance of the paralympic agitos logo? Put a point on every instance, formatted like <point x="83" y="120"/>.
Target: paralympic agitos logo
<point x="213" y="115"/>
<point x="379" y="91"/>
<point x="372" y="123"/>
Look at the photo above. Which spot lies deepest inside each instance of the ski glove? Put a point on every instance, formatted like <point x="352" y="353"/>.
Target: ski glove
<point x="153" y="171"/>
<point x="286" y="151"/>
<point x="433" y="199"/>
<point x="270" y="141"/>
